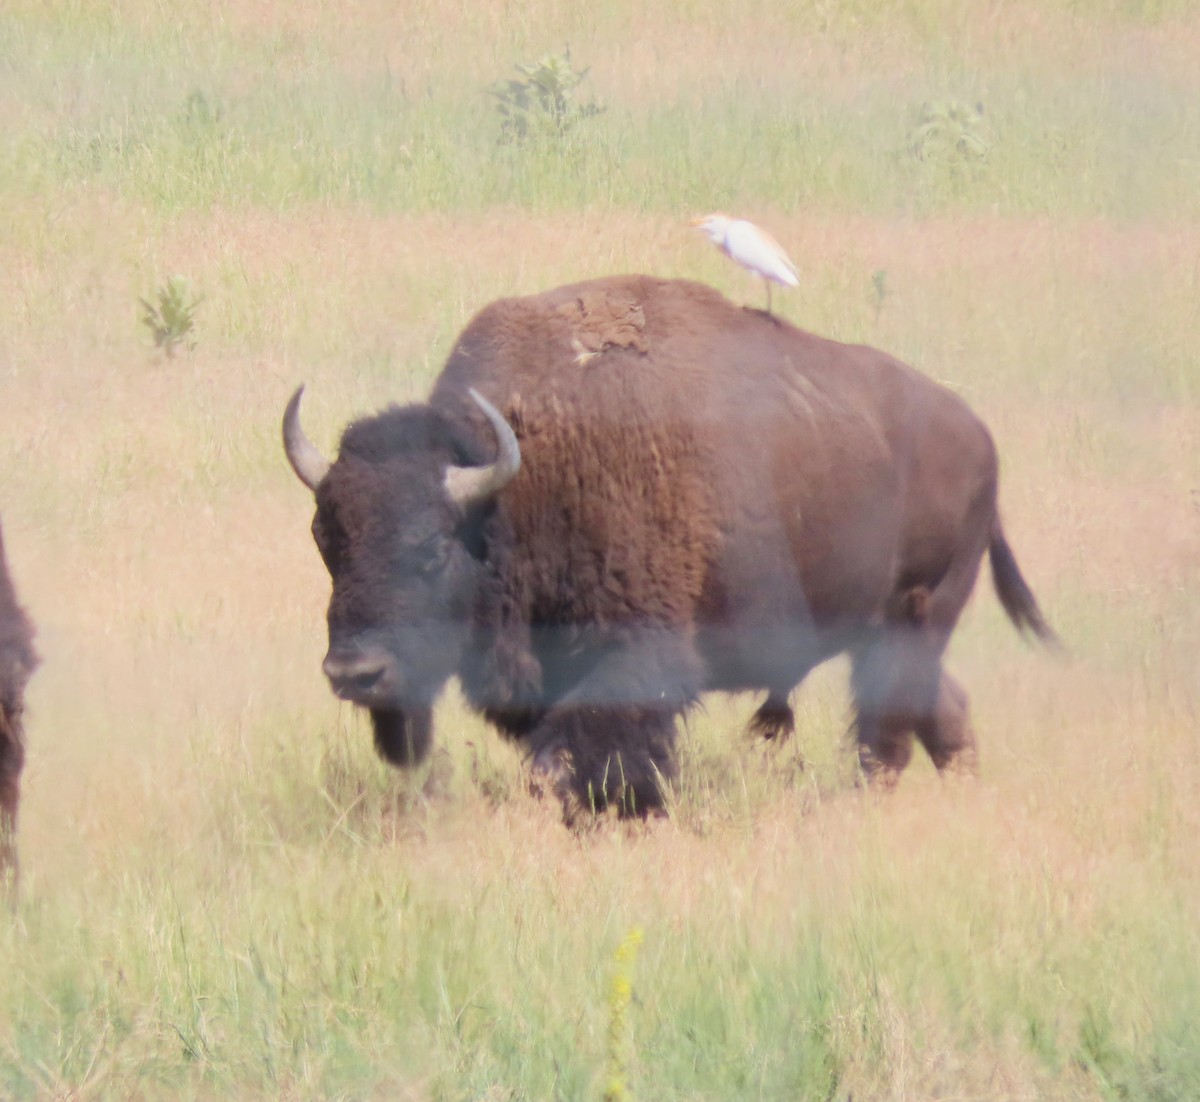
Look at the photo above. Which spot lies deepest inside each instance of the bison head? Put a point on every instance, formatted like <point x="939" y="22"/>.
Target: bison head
<point x="398" y="524"/>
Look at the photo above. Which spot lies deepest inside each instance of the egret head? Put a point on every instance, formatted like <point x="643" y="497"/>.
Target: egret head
<point x="714" y="225"/>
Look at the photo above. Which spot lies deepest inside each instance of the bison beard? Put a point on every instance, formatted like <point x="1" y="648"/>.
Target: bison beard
<point x="17" y="662"/>
<point x="680" y="496"/>
<point x="402" y="737"/>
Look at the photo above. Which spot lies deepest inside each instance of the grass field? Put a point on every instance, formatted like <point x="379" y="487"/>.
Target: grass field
<point x="224" y="894"/>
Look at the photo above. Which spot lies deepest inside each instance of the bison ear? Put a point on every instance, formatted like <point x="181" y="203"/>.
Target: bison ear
<point x="467" y="486"/>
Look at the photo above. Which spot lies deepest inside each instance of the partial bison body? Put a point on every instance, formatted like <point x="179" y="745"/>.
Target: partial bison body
<point x="627" y="492"/>
<point x="17" y="662"/>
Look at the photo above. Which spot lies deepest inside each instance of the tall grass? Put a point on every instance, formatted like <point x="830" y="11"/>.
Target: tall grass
<point x="172" y="112"/>
<point x="225" y="895"/>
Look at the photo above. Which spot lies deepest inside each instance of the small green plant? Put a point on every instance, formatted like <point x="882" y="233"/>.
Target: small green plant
<point x="949" y="132"/>
<point x="620" y="1034"/>
<point x="172" y="318"/>
<point x="199" y="113"/>
<point x="542" y="104"/>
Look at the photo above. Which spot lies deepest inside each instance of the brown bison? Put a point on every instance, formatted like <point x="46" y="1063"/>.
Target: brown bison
<point x="17" y="662"/>
<point x="627" y="492"/>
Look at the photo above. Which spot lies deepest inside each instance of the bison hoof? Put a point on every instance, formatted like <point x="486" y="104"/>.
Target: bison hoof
<point x="552" y="774"/>
<point x="773" y="722"/>
<point x="876" y="775"/>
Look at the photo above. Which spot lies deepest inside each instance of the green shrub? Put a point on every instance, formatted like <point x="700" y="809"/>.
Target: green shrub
<point x="949" y="132"/>
<point x="542" y="105"/>
<point x="173" y="317"/>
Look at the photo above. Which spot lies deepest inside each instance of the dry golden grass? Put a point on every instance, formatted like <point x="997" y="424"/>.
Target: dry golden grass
<point x="155" y="527"/>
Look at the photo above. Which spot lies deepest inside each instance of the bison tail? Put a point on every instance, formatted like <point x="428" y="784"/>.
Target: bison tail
<point x="1014" y="592"/>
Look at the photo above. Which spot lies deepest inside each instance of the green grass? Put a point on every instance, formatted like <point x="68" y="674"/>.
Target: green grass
<point x="225" y="894"/>
<point x="294" y="937"/>
<point x="162" y="111"/>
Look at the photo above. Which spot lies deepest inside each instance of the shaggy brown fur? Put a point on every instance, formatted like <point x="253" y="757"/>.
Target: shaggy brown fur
<point x="709" y="499"/>
<point x="17" y="662"/>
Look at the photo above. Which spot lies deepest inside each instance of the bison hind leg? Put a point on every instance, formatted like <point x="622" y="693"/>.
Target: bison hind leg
<point x="947" y="734"/>
<point x="901" y="691"/>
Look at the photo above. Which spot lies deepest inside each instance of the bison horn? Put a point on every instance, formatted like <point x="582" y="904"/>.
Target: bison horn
<point x="470" y="485"/>
<point x="308" y="463"/>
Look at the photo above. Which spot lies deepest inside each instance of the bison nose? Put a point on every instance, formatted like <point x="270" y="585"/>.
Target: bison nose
<point x="354" y="676"/>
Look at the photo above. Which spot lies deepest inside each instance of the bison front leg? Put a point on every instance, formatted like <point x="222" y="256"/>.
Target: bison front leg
<point x="595" y="758"/>
<point x="610" y="741"/>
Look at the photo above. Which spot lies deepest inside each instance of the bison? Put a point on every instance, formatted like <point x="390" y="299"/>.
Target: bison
<point x="17" y="661"/>
<point x="627" y="492"/>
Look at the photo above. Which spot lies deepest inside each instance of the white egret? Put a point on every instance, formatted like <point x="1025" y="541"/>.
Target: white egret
<point x="753" y="248"/>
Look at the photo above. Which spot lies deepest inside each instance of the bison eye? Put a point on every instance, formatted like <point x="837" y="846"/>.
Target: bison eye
<point x="429" y="556"/>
